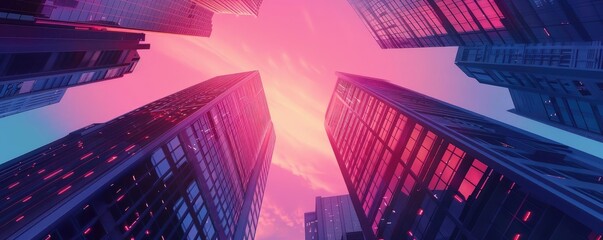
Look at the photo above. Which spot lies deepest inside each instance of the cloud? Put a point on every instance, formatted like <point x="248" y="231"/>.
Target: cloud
<point x="277" y="221"/>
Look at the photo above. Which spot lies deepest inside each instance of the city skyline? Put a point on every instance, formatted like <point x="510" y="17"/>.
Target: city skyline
<point x="296" y="46"/>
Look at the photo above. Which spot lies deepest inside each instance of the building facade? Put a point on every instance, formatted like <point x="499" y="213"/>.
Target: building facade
<point x="45" y="59"/>
<point x="192" y="165"/>
<point x="567" y="113"/>
<point x="419" y="168"/>
<point x="168" y="16"/>
<point x="333" y="219"/>
<point x="238" y="7"/>
<point x="548" y="47"/>
<point x="557" y="84"/>
<point x="436" y="23"/>
<point x="30" y="102"/>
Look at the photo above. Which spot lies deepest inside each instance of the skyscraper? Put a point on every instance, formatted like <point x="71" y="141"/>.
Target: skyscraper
<point x="169" y="16"/>
<point x="192" y="165"/>
<point x="548" y="48"/>
<point x="419" y="168"/>
<point x="569" y="113"/>
<point x="45" y="59"/>
<point x="29" y="102"/>
<point x="239" y="7"/>
<point x="558" y="84"/>
<point x="433" y="23"/>
<point x="333" y="219"/>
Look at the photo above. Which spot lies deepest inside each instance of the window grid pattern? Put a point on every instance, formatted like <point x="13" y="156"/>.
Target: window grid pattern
<point x="446" y="168"/>
<point x="141" y="200"/>
<point x="461" y="184"/>
<point x="180" y="16"/>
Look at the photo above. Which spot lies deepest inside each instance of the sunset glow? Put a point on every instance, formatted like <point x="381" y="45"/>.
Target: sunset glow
<point x="297" y="46"/>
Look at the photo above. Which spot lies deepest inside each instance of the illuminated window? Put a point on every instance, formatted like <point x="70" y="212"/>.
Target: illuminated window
<point x="410" y="145"/>
<point x="423" y="152"/>
<point x="446" y="168"/>
<point x="397" y="132"/>
<point x="472" y="179"/>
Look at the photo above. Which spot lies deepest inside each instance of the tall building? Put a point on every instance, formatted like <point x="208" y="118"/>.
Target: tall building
<point x="557" y="84"/>
<point x="419" y="168"/>
<point x="333" y="219"/>
<point x="192" y="165"/>
<point x="239" y="7"/>
<point x="568" y="113"/>
<point x="168" y="16"/>
<point x="30" y="102"/>
<point x="433" y="23"/>
<point x="39" y="61"/>
<point x="550" y="48"/>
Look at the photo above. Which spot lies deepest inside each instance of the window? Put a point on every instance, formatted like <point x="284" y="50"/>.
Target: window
<point x="108" y="58"/>
<point x="472" y="179"/>
<point x="446" y="169"/>
<point x="181" y="210"/>
<point x="162" y="167"/>
<point x="397" y="132"/>
<point x="26" y="63"/>
<point x="410" y="145"/>
<point x="85" y="77"/>
<point x="208" y="229"/>
<point x="423" y="152"/>
<point x="176" y="151"/>
<point x="68" y="60"/>
<point x="192" y="190"/>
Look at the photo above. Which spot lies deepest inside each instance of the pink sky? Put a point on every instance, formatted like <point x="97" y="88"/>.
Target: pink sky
<point x="297" y="46"/>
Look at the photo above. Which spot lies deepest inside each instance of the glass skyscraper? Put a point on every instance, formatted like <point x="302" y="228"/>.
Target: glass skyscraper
<point x="239" y="7"/>
<point x="169" y="16"/>
<point x="545" y="48"/>
<point x="419" y="168"/>
<point x="333" y="219"/>
<point x="39" y="61"/>
<point x="560" y="84"/>
<point x="433" y="23"/>
<point x="30" y="102"/>
<point x="192" y="165"/>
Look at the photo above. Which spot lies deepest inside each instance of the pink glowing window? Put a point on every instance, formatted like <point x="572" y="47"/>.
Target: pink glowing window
<point x="472" y="179"/>
<point x="423" y="152"/>
<point x="446" y="169"/>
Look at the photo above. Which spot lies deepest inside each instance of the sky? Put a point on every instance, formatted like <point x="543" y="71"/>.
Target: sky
<point x="297" y="46"/>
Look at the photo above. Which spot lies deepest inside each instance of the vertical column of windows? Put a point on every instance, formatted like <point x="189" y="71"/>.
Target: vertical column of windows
<point x="423" y="152"/>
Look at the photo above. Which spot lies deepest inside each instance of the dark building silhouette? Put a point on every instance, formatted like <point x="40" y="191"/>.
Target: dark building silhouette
<point x="169" y="16"/>
<point x="39" y="61"/>
<point x="419" y="168"/>
<point x="192" y="165"/>
<point x="333" y="219"/>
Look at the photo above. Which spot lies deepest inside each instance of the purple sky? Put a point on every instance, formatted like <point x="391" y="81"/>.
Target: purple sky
<point x="297" y="46"/>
